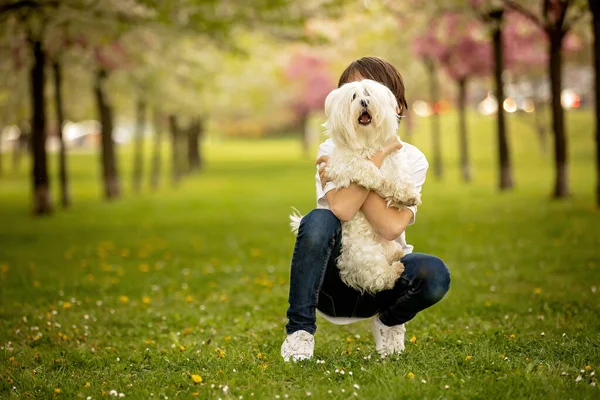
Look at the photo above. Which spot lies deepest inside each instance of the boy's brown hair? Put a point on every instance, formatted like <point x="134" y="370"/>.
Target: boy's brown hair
<point x="381" y="71"/>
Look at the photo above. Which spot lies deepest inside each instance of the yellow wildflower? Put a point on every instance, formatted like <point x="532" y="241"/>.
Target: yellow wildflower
<point x="124" y="299"/>
<point x="537" y="290"/>
<point x="144" y="268"/>
<point x="220" y="352"/>
<point x="67" y="305"/>
<point x="181" y="348"/>
<point x="255" y="252"/>
<point x="413" y="339"/>
<point x="87" y="385"/>
<point x="410" y="375"/>
<point x="57" y="391"/>
<point x="146" y="300"/>
<point x="196" y="378"/>
<point x="467" y="358"/>
<point x="588" y="367"/>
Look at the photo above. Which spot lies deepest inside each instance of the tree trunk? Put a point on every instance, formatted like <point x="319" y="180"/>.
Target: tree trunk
<point x="175" y="150"/>
<point x="561" y="188"/>
<point x="506" y="180"/>
<point x="195" y="131"/>
<point x="462" y="122"/>
<point x="435" y="119"/>
<point x="21" y="144"/>
<point x="41" y="183"/>
<point x="155" y="174"/>
<point x="595" y="7"/>
<point x="112" y="187"/>
<point x="65" y="196"/>
<point x="540" y="125"/>
<point x="138" y="145"/>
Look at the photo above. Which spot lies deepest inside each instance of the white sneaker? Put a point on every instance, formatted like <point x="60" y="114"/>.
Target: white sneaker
<point x="388" y="339"/>
<point x="300" y="345"/>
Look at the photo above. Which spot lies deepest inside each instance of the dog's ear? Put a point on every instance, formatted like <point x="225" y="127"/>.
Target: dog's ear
<point x="330" y="100"/>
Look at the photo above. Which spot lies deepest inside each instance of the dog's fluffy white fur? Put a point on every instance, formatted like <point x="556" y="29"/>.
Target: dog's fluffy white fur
<point x="361" y="118"/>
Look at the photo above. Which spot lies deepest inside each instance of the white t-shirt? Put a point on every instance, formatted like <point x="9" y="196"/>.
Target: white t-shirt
<point x="419" y="165"/>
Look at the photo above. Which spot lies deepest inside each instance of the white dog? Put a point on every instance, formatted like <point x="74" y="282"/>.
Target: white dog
<point x="361" y="118"/>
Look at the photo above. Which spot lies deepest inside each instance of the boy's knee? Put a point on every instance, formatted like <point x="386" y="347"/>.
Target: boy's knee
<point x="319" y="226"/>
<point x="437" y="277"/>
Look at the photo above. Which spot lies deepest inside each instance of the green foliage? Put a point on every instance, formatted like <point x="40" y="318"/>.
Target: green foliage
<point x="141" y="295"/>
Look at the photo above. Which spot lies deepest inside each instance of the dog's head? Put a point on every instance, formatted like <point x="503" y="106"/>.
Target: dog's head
<point x="361" y="115"/>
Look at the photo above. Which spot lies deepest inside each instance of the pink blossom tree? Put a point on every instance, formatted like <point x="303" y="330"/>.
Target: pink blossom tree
<point x="526" y="51"/>
<point x="430" y="49"/>
<point x="555" y="18"/>
<point x="463" y="53"/>
<point x="313" y="81"/>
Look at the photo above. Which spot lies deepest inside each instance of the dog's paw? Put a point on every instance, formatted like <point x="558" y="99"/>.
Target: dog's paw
<point x="398" y="268"/>
<point x="414" y="199"/>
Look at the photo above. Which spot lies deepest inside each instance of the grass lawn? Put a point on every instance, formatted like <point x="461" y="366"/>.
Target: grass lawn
<point x="183" y="293"/>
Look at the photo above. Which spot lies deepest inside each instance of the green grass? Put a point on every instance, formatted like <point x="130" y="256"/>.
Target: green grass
<point x="139" y="294"/>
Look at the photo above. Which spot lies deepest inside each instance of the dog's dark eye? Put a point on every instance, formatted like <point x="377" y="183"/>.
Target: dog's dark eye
<point x="353" y="96"/>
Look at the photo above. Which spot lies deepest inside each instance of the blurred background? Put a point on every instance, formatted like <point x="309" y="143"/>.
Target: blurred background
<point x="137" y="77"/>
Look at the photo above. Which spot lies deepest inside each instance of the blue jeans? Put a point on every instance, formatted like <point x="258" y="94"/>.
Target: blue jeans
<point x="315" y="281"/>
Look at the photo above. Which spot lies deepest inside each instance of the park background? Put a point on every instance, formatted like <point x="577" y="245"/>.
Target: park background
<point x="144" y="237"/>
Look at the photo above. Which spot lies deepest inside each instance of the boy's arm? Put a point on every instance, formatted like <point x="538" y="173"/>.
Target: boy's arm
<point x="346" y="202"/>
<point x="389" y="221"/>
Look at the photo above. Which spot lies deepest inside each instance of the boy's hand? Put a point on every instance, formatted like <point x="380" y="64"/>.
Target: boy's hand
<point x="322" y="163"/>
<point x="390" y="147"/>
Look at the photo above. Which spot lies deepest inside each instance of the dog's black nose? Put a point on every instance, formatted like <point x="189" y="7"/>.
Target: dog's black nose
<point x="364" y="103"/>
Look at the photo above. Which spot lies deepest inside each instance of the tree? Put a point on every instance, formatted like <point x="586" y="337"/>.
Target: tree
<point x="138" y="142"/>
<point x="556" y="23"/>
<point x="310" y="74"/>
<point x="30" y="18"/>
<point x="194" y="135"/>
<point x="491" y="13"/>
<point x="428" y="48"/>
<point x="107" y="59"/>
<point x="156" y="159"/>
<point x="176" y="150"/>
<point x="595" y="8"/>
<point x="463" y="55"/>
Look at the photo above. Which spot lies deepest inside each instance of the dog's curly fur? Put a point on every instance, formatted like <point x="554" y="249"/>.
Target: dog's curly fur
<point x="367" y="261"/>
